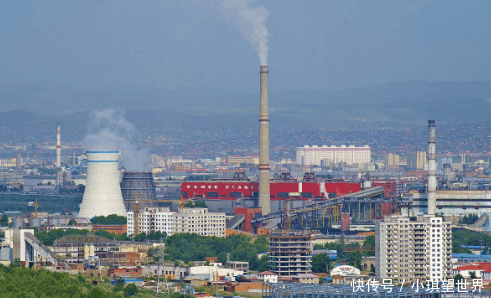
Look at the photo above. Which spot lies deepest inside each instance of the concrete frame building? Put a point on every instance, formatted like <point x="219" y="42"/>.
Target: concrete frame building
<point x="310" y="156"/>
<point x="290" y="254"/>
<point x="187" y="220"/>
<point x="410" y="249"/>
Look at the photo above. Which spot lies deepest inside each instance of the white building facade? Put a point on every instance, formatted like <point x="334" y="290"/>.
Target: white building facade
<point x="187" y="220"/>
<point x="409" y="250"/>
<point x="310" y="156"/>
<point x="151" y="219"/>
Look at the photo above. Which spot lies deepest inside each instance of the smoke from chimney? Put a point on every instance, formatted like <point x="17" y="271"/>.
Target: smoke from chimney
<point x="251" y="22"/>
<point x="431" y="168"/>
<point x="58" y="145"/>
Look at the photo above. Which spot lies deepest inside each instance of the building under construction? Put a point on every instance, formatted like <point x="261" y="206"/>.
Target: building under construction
<point x="290" y="253"/>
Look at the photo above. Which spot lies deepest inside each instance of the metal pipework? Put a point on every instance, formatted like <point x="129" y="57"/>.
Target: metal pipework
<point x="431" y="168"/>
<point x="264" y="196"/>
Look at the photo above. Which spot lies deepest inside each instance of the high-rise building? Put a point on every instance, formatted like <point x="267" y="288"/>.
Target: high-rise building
<point x="151" y="219"/>
<point x="290" y="254"/>
<point x="416" y="160"/>
<point x="392" y="160"/>
<point x="310" y="156"/>
<point x="187" y="220"/>
<point x="407" y="250"/>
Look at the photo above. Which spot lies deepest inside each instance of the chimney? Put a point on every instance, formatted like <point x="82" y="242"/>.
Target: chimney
<point x="264" y="198"/>
<point x="58" y="145"/>
<point x="431" y="168"/>
<point x="73" y="159"/>
<point x="18" y="161"/>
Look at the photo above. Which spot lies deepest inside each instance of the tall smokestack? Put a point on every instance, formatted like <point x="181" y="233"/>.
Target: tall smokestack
<point x="58" y="145"/>
<point x="431" y="168"/>
<point x="264" y="198"/>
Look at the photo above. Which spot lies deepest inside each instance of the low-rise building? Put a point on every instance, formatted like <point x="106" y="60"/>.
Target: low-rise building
<point x="268" y="276"/>
<point x="306" y="278"/>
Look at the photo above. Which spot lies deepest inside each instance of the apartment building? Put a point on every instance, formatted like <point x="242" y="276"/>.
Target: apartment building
<point x="199" y="221"/>
<point x="187" y="220"/>
<point x="416" y="160"/>
<point x="410" y="249"/>
<point x="290" y="254"/>
<point x="310" y="156"/>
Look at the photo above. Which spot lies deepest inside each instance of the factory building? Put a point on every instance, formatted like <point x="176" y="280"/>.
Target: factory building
<point x="290" y="254"/>
<point x="314" y="156"/>
<point x="279" y="190"/>
<point x="187" y="220"/>
<point x="408" y="249"/>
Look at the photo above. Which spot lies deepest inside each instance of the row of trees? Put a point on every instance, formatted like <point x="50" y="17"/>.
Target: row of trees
<point x="322" y="263"/>
<point x="112" y="219"/>
<point x="193" y="247"/>
<point x="24" y="282"/>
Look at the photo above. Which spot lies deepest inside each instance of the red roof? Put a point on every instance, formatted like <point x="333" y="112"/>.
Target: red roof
<point x="267" y="273"/>
<point x="478" y="267"/>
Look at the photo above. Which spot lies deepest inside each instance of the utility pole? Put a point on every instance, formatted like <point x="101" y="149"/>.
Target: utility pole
<point x="161" y="254"/>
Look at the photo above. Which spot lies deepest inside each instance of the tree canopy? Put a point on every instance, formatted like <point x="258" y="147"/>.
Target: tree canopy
<point x="193" y="247"/>
<point x="112" y="219"/>
<point x="24" y="282"/>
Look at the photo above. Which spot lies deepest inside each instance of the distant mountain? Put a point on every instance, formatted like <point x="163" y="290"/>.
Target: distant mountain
<point x="399" y="105"/>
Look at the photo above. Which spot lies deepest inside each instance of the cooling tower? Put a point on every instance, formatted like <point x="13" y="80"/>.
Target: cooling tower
<point x="137" y="183"/>
<point x="102" y="194"/>
<point x="264" y="198"/>
<point x="431" y="168"/>
<point x="58" y="145"/>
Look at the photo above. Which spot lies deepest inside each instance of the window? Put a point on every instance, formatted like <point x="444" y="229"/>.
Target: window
<point x="212" y="194"/>
<point x="282" y="195"/>
<point x="236" y="194"/>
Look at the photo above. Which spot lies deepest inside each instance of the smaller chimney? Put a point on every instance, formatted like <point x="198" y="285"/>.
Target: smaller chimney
<point x="18" y="161"/>
<point x="58" y="145"/>
<point x="431" y="168"/>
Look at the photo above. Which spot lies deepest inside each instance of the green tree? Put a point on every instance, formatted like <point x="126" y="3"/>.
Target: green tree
<point x="72" y="222"/>
<point x="457" y="278"/>
<point x="5" y="220"/>
<point x="369" y="241"/>
<point x="472" y="275"/>
<point x="354" y="258"/>
<point x="320" y="263"/>
<point x="141" y="237"/>
<point x="264" y="264"/>
<point x="130" y="290"/>
<point x="118" y="287"/>
<point x="112" y="219"/>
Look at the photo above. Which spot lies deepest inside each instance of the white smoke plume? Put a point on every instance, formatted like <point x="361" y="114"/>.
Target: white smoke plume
<point x="108" y="129"/>
<point x="251" y="22"/>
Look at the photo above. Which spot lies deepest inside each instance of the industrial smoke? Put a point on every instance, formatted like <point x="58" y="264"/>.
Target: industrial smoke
<point x="251" y="22"/>
<point x="108" y="129"/>
<point x="431" y="168"/>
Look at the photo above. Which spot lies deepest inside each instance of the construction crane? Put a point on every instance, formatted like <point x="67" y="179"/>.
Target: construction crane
<point x="137" y="209"/>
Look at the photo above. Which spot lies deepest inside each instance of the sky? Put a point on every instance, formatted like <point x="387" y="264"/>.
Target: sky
<point x="323" y="45"/>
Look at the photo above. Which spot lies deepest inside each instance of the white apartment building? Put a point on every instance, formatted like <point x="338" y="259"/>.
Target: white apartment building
<point x="309" y="156"/>
<point x="151" y="219"/>
<point x="410" y="249"/>
<point x="199" y="221"/>
<point x="187" y="220"/>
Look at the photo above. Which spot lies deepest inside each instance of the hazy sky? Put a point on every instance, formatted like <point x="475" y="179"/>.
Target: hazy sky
<point x="314" y="45"/>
